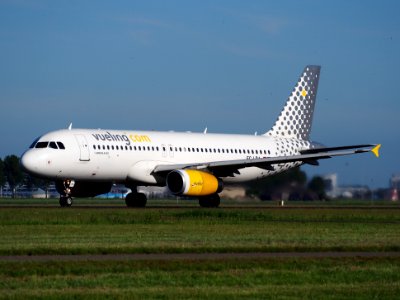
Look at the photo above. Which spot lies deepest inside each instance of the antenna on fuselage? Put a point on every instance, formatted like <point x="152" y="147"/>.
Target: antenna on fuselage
<point x="70" y="126"/>
<point x="205" y="130"/>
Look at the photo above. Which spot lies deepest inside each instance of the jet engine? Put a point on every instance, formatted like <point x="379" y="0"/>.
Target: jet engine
<point x="193" y="183"/>
<point x="82" y="189"/>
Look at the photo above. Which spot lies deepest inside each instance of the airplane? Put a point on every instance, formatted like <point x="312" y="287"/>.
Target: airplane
<point x="87" y="162"/>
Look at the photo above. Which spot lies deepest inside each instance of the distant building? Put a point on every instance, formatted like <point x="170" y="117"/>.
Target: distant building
<point x="333" y="190"/>
<point x="394" y="187"/>
<point x="395" y="181"/>
<point x="331" y="185"/>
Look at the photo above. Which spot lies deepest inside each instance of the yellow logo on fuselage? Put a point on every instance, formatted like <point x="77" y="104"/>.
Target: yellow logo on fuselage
<point x="136" y="138"/>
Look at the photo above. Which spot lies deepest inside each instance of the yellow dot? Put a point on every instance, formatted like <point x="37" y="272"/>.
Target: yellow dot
<point x="304" y="93"/>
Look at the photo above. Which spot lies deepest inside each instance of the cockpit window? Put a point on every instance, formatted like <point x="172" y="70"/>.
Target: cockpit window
<point x="53" y="145"/>
<point x="34" y="143"/>
<point x="41" y="145"/>
<point x="60" y="145"/>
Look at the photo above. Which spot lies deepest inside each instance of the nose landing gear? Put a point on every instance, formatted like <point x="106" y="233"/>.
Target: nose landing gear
<point x="65" y="197"/>
<point x="65" y="201"/>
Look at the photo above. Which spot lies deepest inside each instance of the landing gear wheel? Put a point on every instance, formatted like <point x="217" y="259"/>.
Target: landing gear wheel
<point x="65" y="201"/>
<point x="210" y="201"/>
<point x="136" y="200"/>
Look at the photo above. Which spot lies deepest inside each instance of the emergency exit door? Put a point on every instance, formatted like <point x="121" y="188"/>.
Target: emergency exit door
<point x="83" y="147"/>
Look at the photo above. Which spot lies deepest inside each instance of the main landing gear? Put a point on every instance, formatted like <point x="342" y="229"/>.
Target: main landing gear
<point x="136" y="199"/>
<point x="65" y="197"/>
<point x="209" y="201"/>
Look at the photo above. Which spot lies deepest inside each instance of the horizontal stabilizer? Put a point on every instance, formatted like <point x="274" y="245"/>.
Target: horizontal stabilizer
<point x="375" y="150"/>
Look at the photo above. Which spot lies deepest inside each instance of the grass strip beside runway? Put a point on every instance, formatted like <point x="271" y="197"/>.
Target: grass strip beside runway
<point x="44" y="231"/>
<point x="97" y="231"/>
<point x="326" y="278"/>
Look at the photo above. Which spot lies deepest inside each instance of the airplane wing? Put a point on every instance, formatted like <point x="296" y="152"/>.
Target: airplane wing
<point x="231" y="167"/>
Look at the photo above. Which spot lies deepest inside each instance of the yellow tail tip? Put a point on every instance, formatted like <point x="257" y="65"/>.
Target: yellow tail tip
<point x="375" y="150"/>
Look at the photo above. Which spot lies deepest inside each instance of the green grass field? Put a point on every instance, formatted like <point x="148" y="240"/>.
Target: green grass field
<point x="83" y="230"/>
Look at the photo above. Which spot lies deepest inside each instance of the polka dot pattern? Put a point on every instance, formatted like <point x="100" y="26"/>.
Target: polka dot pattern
<point x="296" y="117"/>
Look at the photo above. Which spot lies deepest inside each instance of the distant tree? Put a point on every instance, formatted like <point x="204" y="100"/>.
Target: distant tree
<point x="13" y="172"/>
<point x="266" y="188"/>
<point x="32" y="182"/>
<point x="317" y="185"/>
<point x="2" y="177"/>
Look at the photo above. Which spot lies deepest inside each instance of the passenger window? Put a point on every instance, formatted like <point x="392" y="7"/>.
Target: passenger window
<point x="41" y="145"/>
<point x="94" y="146"/>
<point x="108" y="147"/>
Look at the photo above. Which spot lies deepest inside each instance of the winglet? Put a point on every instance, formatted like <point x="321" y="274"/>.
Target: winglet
<point x="375" y="150"/>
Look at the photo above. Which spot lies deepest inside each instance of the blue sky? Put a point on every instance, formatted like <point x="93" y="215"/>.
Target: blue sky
<point x="185" y="65"/>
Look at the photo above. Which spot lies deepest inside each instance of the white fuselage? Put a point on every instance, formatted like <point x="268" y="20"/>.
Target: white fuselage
<point x="118" y="155"/>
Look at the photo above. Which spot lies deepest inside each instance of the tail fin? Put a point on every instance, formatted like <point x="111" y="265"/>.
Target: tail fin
<point x="296" y="117"/>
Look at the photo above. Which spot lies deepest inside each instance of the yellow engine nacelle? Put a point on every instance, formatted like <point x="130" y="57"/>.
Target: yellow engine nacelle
<point x="193" y="183"/>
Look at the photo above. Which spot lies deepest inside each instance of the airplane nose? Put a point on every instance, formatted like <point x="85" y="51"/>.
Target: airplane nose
<point x="29" y="162"/>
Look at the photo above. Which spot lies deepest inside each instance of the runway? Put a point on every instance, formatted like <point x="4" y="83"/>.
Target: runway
<point x="195" y="256"/>
<point x="167" y="207"/>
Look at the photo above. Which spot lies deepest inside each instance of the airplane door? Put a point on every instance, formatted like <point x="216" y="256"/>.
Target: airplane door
<point x="83" y="147"/>
<point x="164" y="150"/>
<point x="171" y="150"/>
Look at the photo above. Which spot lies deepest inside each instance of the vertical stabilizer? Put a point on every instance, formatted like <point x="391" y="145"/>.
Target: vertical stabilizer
<point x="296" y="117"/>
